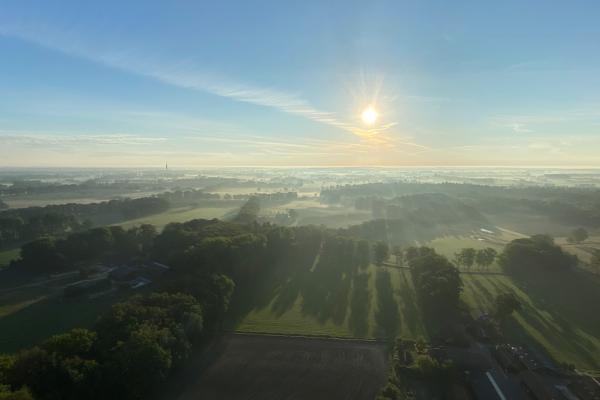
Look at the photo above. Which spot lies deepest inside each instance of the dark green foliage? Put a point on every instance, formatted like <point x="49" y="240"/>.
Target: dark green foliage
<point x="486" y="257"/>
<point x="48" y="255"/>
<point x="530" y="256"/>
<point x="381" y="252"/>
<point x="506" y="304"/>
<point x="578" y="235"/>
<point x="27" y="224"/>
<point x="60" y="368"/>
<point x="436" y="280"/>
<point x="134" y="348"/>
<point x="466" y="257"/>
<point x="42" y="255"/>
<point x="20" y="394"/>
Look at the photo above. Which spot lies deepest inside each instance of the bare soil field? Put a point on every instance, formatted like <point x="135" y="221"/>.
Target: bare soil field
<point x="265" y="367"/>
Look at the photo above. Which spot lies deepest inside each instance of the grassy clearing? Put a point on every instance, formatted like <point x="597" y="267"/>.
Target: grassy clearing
<point x="563" y="325"/>
<point x="449" y="245"/>
<point x="584" y="250"/>
<point x="377" y="303"/>
<point x="31" y="321"/>
<point x="179" y="215"/>
<point x="6" y="256"/>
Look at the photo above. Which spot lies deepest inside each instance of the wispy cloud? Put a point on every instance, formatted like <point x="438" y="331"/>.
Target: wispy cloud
<point x="54" y="140"/>
<point x="185" y="76"/>
<point x="519" y="128"/>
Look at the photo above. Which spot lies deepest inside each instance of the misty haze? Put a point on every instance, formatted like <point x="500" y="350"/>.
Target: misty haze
<point x="264" y="200"/>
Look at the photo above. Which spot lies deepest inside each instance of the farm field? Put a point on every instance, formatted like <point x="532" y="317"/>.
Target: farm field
<point x="449" y="245"/>
<point x="68" y="197"/>
<point x="179" y="215"/>
<point x="271" y="368"/>
<point x="312" y="212"/>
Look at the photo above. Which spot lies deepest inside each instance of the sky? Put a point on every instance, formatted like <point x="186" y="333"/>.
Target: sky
<point x="284" y="83"/>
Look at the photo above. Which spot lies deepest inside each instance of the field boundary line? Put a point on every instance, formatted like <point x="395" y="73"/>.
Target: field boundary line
<point x="313" y="337"/>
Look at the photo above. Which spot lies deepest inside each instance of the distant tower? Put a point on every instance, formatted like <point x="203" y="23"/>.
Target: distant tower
<point x="166" y="166"/>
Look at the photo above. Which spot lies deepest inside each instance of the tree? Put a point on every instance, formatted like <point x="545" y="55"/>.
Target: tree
<point x="42" y="256"/>
<point x="139" y="364"/>
<point x="399" y="254"/>
<point x="3" y="205"/>
<point x="506" y="304"/>
<point x="530" y="256"/>
<point x="437" y="282"/>
<point x="485" y="257"/>
<point x="381" y="252"/>
<point x="578" y="236"/>
<point x="466" y="257"/>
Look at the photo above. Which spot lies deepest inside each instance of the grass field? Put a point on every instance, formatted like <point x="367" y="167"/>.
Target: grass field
<point x="31" y="321"/>
<point x="179" y="215"/>
<point x="558" y="311"/>
<point x="564" y="325"/>
<point x="6" y="256"/>
<point x="449" y="245"/>
<point x="378" y="303"/>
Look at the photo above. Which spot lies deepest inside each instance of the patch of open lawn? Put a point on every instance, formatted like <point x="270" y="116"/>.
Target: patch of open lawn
<point x="6" y="256"/>
<point x="32" y="315"/>
<point x="559" y="314"/>
<point x="377" y="302"/>
<point x="179" y="215"/>
<point x="450" y="245"/>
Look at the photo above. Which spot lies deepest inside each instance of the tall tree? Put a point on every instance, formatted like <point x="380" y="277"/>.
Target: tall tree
<point x="381" y="252"/>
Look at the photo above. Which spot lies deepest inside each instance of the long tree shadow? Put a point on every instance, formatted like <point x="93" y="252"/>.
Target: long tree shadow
<point x="410" y="311"/>
<point x="387" y="316"/>
<point x="360" y="305"/>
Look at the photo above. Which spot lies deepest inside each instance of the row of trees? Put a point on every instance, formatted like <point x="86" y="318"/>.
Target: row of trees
<point x="469" y="257"/>
<point x="27" y="224"/>
<point x="51" y="255"/>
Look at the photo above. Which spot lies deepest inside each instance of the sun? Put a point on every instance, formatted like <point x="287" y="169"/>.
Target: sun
<point x="369" y="115"/>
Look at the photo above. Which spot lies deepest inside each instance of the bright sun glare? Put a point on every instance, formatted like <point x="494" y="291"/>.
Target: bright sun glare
<point x="369" y="115"/>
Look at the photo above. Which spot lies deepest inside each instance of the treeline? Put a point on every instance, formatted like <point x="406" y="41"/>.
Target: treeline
<point x="130" y="352"/>
<point x="26" y="224"/>
<point x="108" y="244"/>
<point x="576" y="206"/>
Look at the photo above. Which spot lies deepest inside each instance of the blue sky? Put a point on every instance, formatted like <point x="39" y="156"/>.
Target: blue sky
<point x="284" y="83"/>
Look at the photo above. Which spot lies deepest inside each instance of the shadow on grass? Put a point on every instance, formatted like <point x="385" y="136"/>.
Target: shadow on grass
<point x="387" y="316"/>
<point x="411" y="315"/>
<point x="38" y="321"/>
<point x="360" y="305"/>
